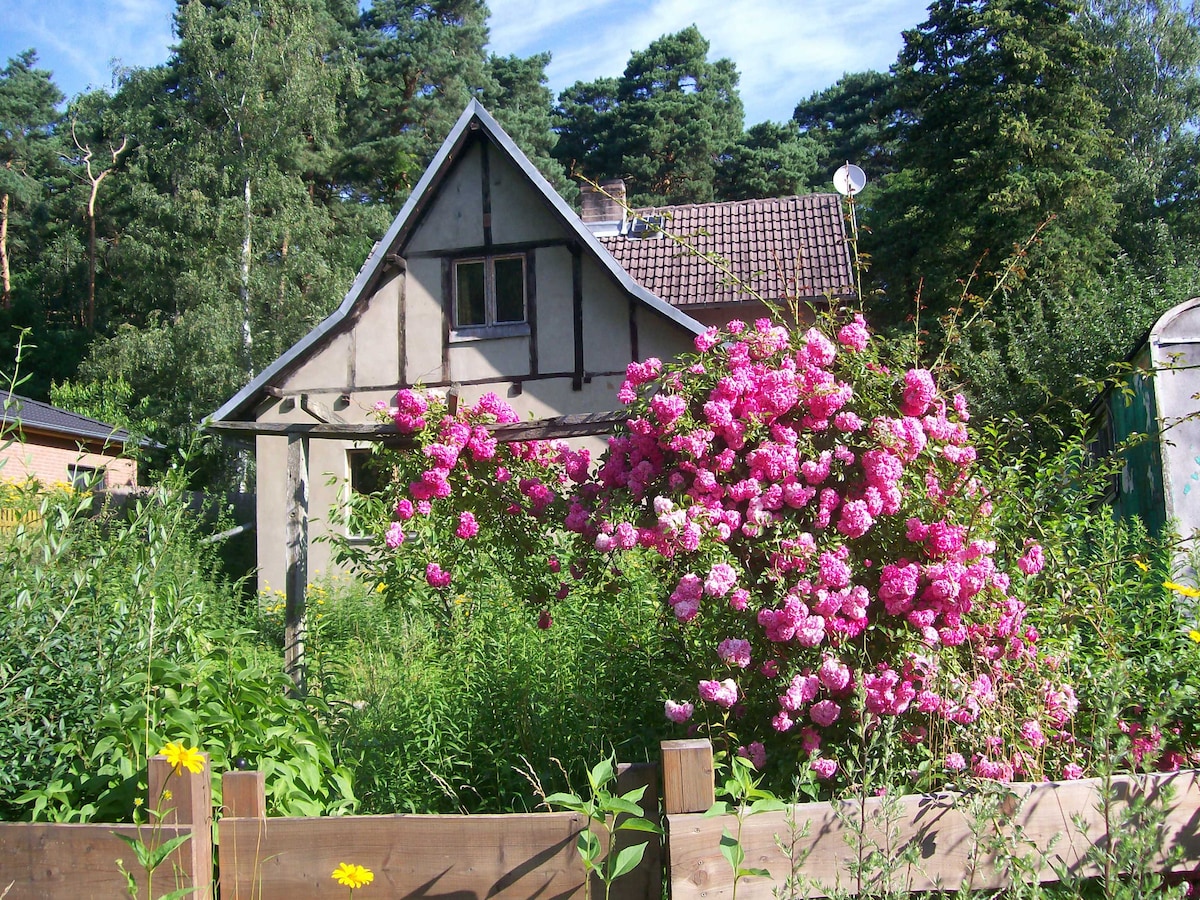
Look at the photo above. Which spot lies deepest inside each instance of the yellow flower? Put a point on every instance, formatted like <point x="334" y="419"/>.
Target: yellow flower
<point x="1184" y="589"/>
<point x="352" y="876"/>
<point x="181" y="757"/>
<point x="1194" y="635"/>
<point x="167" y="795"/>
<point x="1141" y="565"/>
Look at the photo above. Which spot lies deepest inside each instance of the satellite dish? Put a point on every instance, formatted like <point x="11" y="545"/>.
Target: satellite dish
<point x="849" y="180"/>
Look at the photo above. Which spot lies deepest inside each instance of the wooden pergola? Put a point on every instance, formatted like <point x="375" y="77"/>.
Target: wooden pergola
<point x="299" y="434"/>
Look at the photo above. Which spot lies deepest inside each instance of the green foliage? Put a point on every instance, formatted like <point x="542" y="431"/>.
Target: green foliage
<point x="849" y="122"/>
<point x="663" y="124"/>
<point x="997" y="135"/>
<point x="115" y="637"/>
<point x="446" y="713"/>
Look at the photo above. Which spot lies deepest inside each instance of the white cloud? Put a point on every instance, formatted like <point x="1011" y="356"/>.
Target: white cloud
<point x="80" y="41"/>
<point x="784" y="50"/>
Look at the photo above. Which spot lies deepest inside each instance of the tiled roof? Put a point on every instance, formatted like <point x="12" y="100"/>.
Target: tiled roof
<point x="43" y="417"/>
<point x="781" y="247"/>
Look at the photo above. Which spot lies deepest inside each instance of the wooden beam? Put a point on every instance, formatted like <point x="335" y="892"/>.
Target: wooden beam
<point x="578" y="425"/>
<point x="296" y="555"/>
<point x="577" y="314"/>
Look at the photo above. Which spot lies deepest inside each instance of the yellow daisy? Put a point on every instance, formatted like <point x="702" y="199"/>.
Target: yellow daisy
<point x="352" y="875"/>
<point x="181" y="757"/>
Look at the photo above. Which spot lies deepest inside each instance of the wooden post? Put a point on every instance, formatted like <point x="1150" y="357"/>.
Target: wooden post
<point x="296" y="536"/>
<point x="644" y="882"/>
<point x="244" y="795"/>
<point x="185" y="798"/>
<point x="687" y="773"/>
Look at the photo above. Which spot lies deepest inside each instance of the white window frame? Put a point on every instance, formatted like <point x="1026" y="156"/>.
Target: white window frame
<point x="489" y="327"/>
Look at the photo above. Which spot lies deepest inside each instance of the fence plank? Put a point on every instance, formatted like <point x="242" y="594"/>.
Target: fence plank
<point x="952" y="834"/>
<point x="244" y="794"/>
<point x="509" y="856"/>
<point x="185" y="798"/>
<point x="40" y="861"/>
<point x="78" y="861"/>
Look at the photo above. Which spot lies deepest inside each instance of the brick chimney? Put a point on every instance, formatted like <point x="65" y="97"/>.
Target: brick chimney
<point x="603" y="210"/>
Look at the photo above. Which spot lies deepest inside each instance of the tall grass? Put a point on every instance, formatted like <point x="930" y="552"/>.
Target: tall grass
<point x="468" y="712"/>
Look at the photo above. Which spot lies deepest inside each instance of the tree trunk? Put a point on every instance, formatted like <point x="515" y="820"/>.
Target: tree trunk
<point x="247" y="334"/>
<point x="5" y="277"/>
<point x="89" y="317"/>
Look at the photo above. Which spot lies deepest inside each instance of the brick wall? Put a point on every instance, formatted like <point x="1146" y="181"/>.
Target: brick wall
<point x="51" y="462"/>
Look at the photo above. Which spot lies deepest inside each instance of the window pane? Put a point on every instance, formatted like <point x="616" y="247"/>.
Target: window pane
<point x="470" y="307"/>
<point x="510" y="290"/>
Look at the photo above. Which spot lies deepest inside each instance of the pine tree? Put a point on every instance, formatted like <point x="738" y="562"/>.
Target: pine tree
<point x="999" y="137"/>
<point x="29" y="145"/>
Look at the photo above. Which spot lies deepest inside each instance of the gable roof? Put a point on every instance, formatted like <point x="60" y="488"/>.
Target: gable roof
<point x="779" y="248"/>
<point x="474" y="119"/>
<point x="33" y="414"/>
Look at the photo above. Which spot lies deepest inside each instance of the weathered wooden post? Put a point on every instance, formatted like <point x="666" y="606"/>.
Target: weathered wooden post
<point x="687" y="773"/>
<point x="185" y="798"/>
<point x="244" y="795"/>
<point x="296" y="537"/>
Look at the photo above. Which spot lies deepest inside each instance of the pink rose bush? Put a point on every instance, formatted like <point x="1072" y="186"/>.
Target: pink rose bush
<point x="828" y="553"/>
<point x="467" y="510"/>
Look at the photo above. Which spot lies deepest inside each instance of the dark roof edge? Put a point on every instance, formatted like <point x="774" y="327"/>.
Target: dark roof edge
<point x="474" y="112"/>
<point x="76" y="425"/>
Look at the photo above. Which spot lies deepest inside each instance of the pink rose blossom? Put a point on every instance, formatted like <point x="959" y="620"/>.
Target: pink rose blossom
<point x="679" y="712"/>
<point x="734" y="652"/>
<point x="825" y="767"/>
<point x="395" y="536"/>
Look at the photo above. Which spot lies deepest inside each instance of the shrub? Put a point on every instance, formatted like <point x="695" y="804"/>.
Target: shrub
<point x="115" y="637"/>
<point x="813" y="510"/>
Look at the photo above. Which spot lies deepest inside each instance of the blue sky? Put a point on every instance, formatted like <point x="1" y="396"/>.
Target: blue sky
<point x="784" y="49"/>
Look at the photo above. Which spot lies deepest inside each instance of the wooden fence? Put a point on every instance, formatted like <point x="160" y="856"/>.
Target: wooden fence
<point x="1047" y="829"/>
<point x="75" y="862"/>
<point x="952" y="839"/>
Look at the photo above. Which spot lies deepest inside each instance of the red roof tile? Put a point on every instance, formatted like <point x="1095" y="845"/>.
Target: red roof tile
<point x="783" y="247"/>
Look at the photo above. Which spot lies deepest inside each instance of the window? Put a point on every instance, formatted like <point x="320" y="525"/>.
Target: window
<point x="366" y="480"/>
<point x="85" y="478"/>
<point x="489" y="291"/>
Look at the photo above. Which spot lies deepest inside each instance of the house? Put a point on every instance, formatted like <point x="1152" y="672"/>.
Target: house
<point x="55" y="446"/>
<point x="487" y="280"/>
<point x="1159" y="480"/>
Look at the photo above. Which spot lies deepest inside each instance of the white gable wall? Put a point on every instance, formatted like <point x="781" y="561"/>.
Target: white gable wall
<point x="396" y="337"/>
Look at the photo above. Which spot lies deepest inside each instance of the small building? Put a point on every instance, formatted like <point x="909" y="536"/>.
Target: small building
<point x="488" y="281"/>
<point x="1159" y="481"/>
<point x="58" y="447"/>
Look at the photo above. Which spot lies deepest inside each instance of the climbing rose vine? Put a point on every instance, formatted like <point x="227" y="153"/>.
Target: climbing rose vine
<point x="826" y="549"/>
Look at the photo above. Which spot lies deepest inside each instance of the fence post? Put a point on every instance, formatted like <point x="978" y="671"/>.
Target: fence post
<point x="644" y="882"/>
<point x="185" y="798"/>
<point x="687" y="773"/>
<point x="244" y="795"/>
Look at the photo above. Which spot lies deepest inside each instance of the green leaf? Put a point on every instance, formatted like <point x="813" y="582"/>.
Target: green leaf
<point x="570" y="801"/>
<point x="620" y="805"/>
<point x="759" y="873"/>
<point x="719" y="808"/>
<point x="627" y="860"/>
<point x="732" y="851"/>
<point x="639" y="825"/>
<point x="588" y="846"/>
<point x="602" y="773"/>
